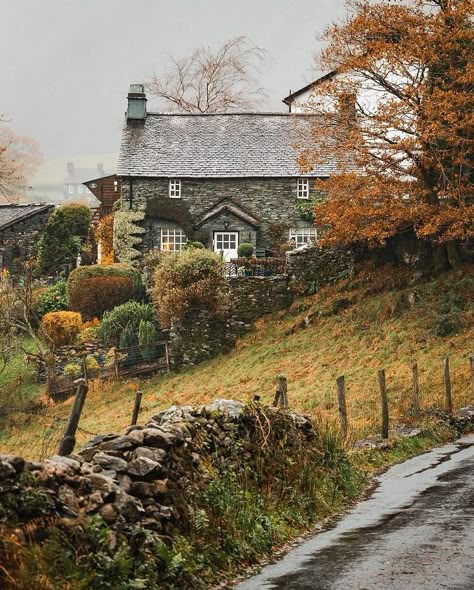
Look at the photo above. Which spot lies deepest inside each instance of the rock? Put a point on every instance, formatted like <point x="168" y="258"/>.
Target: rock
<point x="89" y="450"/>
<point x="231" y="408"/>
<point x="94" y="501"/>
<point x="110" y="462"/>
<point x="173" y="414"/>
<point x="142" y="489"/>
<point x="18" y="463"/>
<point x="69" y="501"/>
<point x="68" y="461"/>
<point x="153" y="454"/>
<point x="101" y="482"/>
<point x="466" y="412"/>
<point x="121" y="443"/>
<point x="129" y="507"/>
<point x="109" y="513"/>
<point x="156" y="437"/>
<point x="124" y="482"/>
<point x="6" y="470"/>
<point x="136" y="436"/>
<point x="142" y="466"/>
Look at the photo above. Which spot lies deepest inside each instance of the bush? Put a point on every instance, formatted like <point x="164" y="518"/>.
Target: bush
<point x="92" y="290"/>
<point x="126" y="315"/>
<point x="67" y="228"/>
<point x="245" y="250"/>
<point x="92" y="364"/>
<point x="72" y="371"/>
<point x="188" y="280"/>
<point x="60" y="327"/>
<point x="192" y="244"/>
<point x="51" y="299"/>
<point x="104" y="234"/>
<point x="449" y="319"/>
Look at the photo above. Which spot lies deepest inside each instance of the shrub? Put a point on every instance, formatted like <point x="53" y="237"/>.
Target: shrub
<point x="51" y="299"/>
<point x="104" y="234"/>
<point x="245" y="250"/>
<point x="187" y="280"/>
<point x="61" y="241"/>
<point x="194" y="244"/>
<point x="147" y="336"/>
<point x="60" y="327"/>
<point x="126" y="315"/>
<point x="92" y="364"/>
<point x="92" y="290"/>
<point x="72" y="371"/>
<point x="449" y="319"/>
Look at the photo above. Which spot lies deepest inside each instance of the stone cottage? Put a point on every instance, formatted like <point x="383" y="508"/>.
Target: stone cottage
<point x="20" y="226"/>
<point x="222" y="179"/>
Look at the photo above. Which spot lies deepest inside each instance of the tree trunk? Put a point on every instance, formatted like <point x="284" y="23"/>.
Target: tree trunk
<point x="454" y="257"/>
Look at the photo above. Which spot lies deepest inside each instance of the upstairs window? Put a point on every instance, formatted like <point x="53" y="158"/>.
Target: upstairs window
<point x="71" y="189"/>
<point x="302" y="188"/>
<point x="172" y="240"/>
<point x="175" y="189"/>
<point x="302" y="235"/>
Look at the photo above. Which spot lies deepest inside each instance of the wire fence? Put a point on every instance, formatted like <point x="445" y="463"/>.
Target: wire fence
<point x="255" y="267"/>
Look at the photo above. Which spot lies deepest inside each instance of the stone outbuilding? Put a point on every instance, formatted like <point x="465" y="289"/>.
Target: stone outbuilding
<point x="20" y="227"/>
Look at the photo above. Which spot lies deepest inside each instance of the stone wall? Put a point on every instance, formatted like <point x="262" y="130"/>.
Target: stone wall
<point x="19" y="241"/>
<point x="271" y="200"/>
<point x="312" y="267"/>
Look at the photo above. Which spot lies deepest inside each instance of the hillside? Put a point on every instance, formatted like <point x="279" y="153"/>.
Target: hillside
<point x="379" y="319"/>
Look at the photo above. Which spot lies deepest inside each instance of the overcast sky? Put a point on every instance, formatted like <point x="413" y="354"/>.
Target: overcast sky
<point x="66" y="64"/>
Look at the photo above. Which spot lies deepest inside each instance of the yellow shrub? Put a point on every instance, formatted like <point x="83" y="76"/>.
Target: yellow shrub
<point x="60" y="327"/>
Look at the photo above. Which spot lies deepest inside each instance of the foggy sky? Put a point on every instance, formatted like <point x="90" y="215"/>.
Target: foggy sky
<point x="66" y="64"/>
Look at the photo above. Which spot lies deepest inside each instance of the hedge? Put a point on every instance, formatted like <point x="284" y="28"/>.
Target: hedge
<point x="60" y="327"/>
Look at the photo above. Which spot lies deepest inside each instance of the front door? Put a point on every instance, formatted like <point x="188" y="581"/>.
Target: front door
<point x="226" y="243"/>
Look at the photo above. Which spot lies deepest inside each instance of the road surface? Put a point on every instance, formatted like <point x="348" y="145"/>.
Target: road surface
<point x="415" y="532"/>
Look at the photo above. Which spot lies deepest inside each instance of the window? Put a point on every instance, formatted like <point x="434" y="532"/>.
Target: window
<point x="302" y="188"/>
<point x="71" y="189"/>
<point x="302" y="235"/>
<point x="172" y="240"/>
<point x="79" y="189"/>
<point x="175" y="189"/>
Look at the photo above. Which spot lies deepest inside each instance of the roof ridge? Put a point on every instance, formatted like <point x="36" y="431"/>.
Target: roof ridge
<point x="239" y="113"/>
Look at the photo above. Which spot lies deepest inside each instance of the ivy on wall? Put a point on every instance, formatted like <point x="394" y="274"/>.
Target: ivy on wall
<point x="127" y="235"/>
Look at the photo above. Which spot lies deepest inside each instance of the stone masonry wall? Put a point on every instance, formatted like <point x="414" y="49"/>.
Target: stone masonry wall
<point x="272" y="200"/>
<point x="18" y="242"/>
<point x="312" y="267"/>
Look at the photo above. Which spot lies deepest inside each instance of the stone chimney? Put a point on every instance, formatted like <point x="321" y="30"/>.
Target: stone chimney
<point x="100" y="169"/>
<point x="70" y="168"/>
<point x="136" y="102"/>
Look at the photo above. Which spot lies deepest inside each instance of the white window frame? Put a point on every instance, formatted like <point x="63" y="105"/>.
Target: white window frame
<point x="176" y="244"/>
<point x="71" y="189"/>
<point x="174" y="188"/>
<point x="79" y="189"/>
<point x="302" y="188"/>
<point x="303" y="235"/>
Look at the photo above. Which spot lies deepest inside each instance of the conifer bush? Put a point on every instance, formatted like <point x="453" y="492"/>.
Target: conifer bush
<point x="59" y="328"/>
<point x="189" y="280"/>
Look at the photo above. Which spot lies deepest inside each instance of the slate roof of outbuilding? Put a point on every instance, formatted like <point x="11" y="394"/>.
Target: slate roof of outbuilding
<point x="216" y="146"/>
<point x="11" y="214"/>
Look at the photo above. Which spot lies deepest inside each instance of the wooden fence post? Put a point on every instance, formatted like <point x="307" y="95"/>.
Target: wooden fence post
<point x="68" y="441"/>
<point x="136" y="407"/>
<point x="341" y="400"/>
<point x="471" y="363"/>
<point x="84" y="365"/>
<point x="383" y="395"/>
<point x="281" y="394"/>
<point x="116" y="367"/>
<point x="416" y="391"/>
<point x="447" y="385"/>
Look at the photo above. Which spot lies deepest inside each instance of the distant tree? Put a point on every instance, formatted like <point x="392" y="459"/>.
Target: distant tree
<point x="405" y="121"/>
<point x="208" y="81"/>
<point x="19" y="159"/>
<point x="63" y="236"/>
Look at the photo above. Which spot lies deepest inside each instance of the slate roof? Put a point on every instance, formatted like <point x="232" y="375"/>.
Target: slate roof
<point x="11" y="214"/>
<point x="216" y="146"/>
<point x="227" y="205"/>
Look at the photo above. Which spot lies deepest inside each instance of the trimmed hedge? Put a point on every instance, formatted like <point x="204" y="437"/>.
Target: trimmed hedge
<point x="60" y="327"/>
<point x="92" y="290"/>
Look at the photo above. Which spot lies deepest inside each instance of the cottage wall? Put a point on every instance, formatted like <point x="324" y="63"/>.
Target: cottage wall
<point x="271" y="200"/>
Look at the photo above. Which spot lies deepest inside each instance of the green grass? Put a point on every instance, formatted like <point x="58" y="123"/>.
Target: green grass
<point x="380" y="329"/>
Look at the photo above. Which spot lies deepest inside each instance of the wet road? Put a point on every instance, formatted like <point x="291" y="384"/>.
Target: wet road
<point x="416" y="532"/>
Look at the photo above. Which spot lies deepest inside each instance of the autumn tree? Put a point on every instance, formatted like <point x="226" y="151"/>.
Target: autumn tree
<point x="208" y="81"/>
<point x="397" y="113"/>
<point x="19" y="159"/>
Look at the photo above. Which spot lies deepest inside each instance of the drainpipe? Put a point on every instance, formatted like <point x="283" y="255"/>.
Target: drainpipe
<point x="131" y="192"/>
